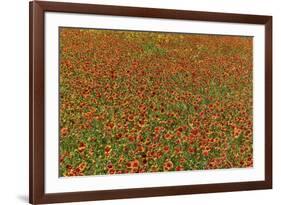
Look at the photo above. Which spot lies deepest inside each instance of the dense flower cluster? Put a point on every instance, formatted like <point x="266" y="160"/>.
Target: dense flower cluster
<point x="134" y="102"/>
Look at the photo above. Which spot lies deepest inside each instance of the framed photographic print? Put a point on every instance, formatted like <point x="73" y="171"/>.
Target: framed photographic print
<point x="139" y="102"/>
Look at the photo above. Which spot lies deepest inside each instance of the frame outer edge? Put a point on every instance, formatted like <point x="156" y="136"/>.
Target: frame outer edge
<point x="150" y="12"/>
<point x="37" y="193"/>
<point x="36" y="104"/>
<point x="268" y="102"/>
<point x="31" y="190"/>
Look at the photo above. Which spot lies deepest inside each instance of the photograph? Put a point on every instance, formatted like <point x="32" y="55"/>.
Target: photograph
<point x="137" y="102"/>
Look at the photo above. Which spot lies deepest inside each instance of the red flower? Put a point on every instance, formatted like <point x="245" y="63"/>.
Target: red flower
<point x="168" y="136"/>
<point x="82" y="147"/>
<point x="81" y="167"/>
<point x="142" y="108"/>
<point x="178" y="133"/>
<point x="180" y="129"/>
<point x="131" y="118"/>
<point x="118" y="136"/>
<point x="129" y="164"/>
<point x="107" y="150"/>
<point x="111" y="171"/>
<point x="109" y="166"/>
<point x="135" y="163"/>
<point x="236" y="132"/>
<point x="168" y="165"/>
<point x="63" y="131"/>
<point x="132" y="138"/>
<point x="179" y="168"/>
<point x="157" y="130"/>
<point x="205" y="152"/>
<point x="166" y="149"/>
<point x="194" y="131"/>
<point x="68" y="167"/>
<point x="191" y="150"/>
<point x="110" y="125"/>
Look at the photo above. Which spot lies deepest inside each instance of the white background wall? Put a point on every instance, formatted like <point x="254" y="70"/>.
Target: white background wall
<point x="14" y="100"/>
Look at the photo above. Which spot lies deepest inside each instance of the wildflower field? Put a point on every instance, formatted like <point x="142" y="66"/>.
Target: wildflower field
<point x="134" y="102"/>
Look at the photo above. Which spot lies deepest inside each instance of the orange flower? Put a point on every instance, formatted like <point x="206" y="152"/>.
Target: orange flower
<point x="142" y="123"/>
<point x="168" y="136"/>
<point x="129" y="165"/>
<point x="112" y="171"/>
<point x="118" y="136"/>
<point x="157" y="130"/>
<point x="110" y="166"/>
<point x="135" y="163"/>
<point x="121" y="159"/>
<point x="205" y="152"/>
<point x="82" y="147"/>
<point x="64" y="131"/>
<point x="179" y="168"/>
<point x="140" y="148"/>
<point x="168" y="165"/>
<point x="191" y="150"/>
<point x="91" y="152"/>
<point x="142" y="108"/>
<point x="130" y="118"/>
<point x="180" y="129"/>
<point x="194" y="131"/>
<point x="107" y="150"/>
<point x="178" y="149"/>
<point x="236" y="132"/>
<point x="131" y="138"/>
<point x="110" y="125"/>
<point x="166" y="149"/>
<point x="144" y="161"/>
<point x="81" y="167"/>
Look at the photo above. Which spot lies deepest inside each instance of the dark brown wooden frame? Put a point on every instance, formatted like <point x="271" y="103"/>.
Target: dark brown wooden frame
<point x="37" y="9"/>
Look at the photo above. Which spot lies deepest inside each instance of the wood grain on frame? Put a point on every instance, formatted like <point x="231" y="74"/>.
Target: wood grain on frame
<point x="37" y="193"/>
